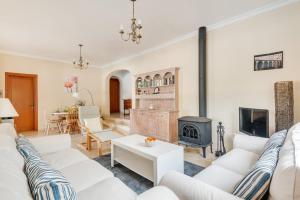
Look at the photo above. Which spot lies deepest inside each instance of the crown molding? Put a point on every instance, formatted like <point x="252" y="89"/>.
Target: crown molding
<point x="14" y="53"/>
<point x="223" y="23"/>
<point x="252" y="13"/>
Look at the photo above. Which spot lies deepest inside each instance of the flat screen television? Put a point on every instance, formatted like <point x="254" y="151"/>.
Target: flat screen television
<point x="254" y="122"/>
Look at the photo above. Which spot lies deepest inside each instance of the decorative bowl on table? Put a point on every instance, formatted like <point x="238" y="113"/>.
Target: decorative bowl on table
<point x="150" y="141"/>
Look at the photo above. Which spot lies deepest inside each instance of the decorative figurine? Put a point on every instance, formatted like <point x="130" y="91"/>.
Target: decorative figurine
<point x="156" y="90"/>
<point x="220" y="140"/>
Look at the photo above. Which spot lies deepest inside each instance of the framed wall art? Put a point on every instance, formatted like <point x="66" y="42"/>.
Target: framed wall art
<point x="71" y="84"/>
<point x="268" y="61"/>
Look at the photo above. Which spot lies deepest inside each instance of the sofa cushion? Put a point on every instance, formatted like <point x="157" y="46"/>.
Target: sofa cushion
<point x="64" y="158"/>
<point x="255" y="184"/>
<point x="8" y="129"/>
<point x="85" y="174"/>
<point x="8" y="194"/>
<point x="46" y="182"/>
<point x="13" y="188"/>
<point x="108" y="189"/>
<point x="7" y="142"/>
<point x="244" y="141"/>
<point x="219" y="177"/>
<point x="159" y="192"/>
<point x="286" y="179"/>
<point x="13" y="180"/>
<point x="8" y="150"/>
<point x="51" y="143"/>
<point x="237" y="160"/>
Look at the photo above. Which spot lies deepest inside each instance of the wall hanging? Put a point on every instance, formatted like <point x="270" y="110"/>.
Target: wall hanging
<point x="268" y="61"/>
<point x="71" y="84"/>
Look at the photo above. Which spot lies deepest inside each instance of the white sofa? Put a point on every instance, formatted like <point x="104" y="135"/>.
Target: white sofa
<point x="90" y="180"/>
<point x="218" y="180"/>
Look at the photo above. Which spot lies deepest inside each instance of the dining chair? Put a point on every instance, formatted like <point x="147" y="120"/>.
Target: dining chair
<point x="71" y="125"/>
<point x="52" y="121"/>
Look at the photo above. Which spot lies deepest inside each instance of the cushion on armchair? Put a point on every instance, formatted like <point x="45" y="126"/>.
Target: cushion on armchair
<point x="93" y="124"/>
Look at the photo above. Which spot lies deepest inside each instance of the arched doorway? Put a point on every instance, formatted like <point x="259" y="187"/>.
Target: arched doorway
<point x="114" y="95"/>
<point x="124" y="77"/>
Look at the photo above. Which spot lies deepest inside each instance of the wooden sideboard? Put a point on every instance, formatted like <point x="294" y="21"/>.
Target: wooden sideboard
<point x="156" y="123"/>
<point x="156" y="105"/>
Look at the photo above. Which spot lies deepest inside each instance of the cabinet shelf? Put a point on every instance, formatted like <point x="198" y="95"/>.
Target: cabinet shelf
<point x="155" y="96"/>
<point x="161" y="86"/>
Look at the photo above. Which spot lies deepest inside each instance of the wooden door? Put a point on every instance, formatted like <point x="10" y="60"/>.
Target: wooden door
<point x="114" y="93"/>
<point x="21" y="89"/>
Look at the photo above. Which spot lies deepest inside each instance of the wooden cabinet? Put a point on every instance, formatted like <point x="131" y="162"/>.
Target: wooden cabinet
<point x="156" y="101"/>
<point x="159" y="124"/>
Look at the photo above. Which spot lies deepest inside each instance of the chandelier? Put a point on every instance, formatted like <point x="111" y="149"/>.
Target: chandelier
<point x="136" y="27"/>
<point x="80" y="64"/>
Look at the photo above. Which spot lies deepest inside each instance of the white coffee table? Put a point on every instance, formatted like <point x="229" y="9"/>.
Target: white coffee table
<point x="149" y="162"/>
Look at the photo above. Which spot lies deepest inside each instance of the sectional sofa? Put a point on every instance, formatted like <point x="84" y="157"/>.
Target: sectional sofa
<point x="89" y="179"/>
<point x="219" y="180"/>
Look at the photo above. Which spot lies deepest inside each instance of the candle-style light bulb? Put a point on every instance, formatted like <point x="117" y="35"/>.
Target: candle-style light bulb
<point x="139" y="22"/>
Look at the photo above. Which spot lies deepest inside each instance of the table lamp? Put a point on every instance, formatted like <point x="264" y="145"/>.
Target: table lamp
<point x="7" y="111"/>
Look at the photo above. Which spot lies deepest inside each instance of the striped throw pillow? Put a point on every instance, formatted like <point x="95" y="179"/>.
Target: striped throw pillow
<point x="45" y="182"/>
<point x="276" y="140"/>
<point x="256" y="183"/>
<point x="25" y="148"/>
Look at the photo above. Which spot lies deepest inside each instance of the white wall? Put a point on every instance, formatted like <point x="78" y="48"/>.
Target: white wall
<point x="232" y="83"/>
<point x="231" y="80"/>
<point x="51" y="77"/>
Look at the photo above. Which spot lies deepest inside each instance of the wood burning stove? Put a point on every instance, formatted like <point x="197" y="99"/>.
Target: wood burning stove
<point x="195" y="132"/>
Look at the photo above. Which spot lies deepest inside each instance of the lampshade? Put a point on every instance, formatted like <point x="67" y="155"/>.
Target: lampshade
<point x="7" y="109"/>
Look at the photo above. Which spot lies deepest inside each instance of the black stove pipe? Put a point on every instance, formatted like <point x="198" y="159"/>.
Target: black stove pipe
<point x="202" y="72"/>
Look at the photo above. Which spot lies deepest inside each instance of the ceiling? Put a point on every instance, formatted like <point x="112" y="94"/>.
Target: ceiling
<point x="53" y="28"/>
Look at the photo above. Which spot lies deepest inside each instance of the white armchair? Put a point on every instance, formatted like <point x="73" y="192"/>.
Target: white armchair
<point x="89" y="112"/>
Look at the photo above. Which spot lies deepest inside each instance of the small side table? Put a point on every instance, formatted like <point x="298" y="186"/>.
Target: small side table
<point x="127" y="106"/>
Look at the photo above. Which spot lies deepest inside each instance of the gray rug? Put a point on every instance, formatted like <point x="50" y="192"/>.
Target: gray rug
<point x="136" y="182"/>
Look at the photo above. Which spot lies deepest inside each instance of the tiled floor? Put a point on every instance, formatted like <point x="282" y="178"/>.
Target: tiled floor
<point x="119" y="115"/>
<point x="193" y="155"/>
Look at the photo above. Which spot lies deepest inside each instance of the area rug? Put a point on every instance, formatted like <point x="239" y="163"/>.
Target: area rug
<point x="133" y="180"/>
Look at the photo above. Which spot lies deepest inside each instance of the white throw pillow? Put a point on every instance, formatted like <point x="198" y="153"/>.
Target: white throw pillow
<point x="94" y="124"/>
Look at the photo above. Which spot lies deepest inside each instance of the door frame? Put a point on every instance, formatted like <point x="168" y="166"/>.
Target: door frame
<point x="117" y="78"/>
<point x="35" y="92"/>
